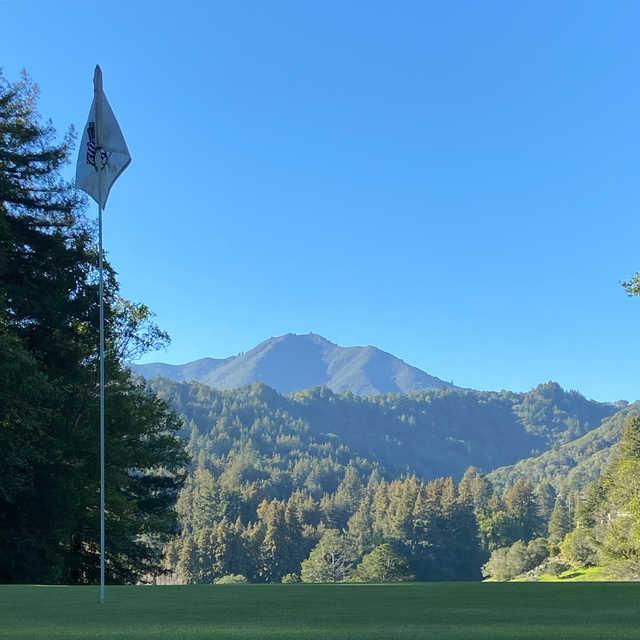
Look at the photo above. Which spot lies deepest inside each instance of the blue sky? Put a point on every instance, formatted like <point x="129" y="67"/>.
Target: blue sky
<point x="456" y="183"/>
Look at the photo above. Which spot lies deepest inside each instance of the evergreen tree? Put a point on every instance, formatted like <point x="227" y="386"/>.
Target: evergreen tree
<point x="621" y="521"/>
<point x="398" y="523"/>
<point x="334" y="511"/>
<point x="228" y="551"/>
<point x="521" y="506"/>
<point x="203" y="569"/>
<point x="497" y="527"/>
<point x="545" y="496"/>
<point x="475" y="489"/>
<point x="559" y="523"/>
<point x="186" y="568"/>
<point x="360" y="528"/>
<point x="276" y="545"/>
<point x="350" y="490"/>
<point x="205" y="507"/>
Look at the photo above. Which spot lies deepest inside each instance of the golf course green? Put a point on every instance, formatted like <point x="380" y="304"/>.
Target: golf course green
<point x="441" y="611"/>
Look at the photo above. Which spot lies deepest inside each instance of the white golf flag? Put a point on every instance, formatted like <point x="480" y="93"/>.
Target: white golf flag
<point x="103" y="152"/>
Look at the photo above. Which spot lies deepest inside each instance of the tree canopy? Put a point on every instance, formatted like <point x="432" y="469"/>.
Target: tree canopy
<point x="383" y="564"/>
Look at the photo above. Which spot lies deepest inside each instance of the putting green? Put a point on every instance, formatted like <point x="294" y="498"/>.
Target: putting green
<point x="438" y="611"/>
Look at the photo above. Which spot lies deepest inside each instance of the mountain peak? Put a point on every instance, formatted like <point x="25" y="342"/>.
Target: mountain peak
<point x="299" y="338"/>
<point x="293" y="362"/>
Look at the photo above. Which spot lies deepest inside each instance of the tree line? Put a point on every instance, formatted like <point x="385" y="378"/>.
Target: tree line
<point x="407" y="528"/>
<point x="600" y="529"/>
<point x="372" y="529"/>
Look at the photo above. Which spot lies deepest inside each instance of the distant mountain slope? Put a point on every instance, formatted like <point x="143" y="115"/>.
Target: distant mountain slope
<point x="574" y="464"/>
<point x="430" y="433"/>
<point x="294" y="362"/>
<point x="179" y="372"/>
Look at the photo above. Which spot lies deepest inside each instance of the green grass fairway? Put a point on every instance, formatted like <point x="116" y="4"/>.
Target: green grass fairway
<point x="590" y="574"/>
<point x="438" y="611"/>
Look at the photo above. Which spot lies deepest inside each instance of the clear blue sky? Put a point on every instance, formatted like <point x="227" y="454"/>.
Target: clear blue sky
<point x="456" y="183"/>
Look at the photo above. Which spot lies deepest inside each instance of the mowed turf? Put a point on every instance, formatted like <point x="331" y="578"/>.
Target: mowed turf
<point x="438" y="611"/>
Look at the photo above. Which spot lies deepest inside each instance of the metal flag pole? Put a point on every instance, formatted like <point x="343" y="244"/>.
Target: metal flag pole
<point x="102" y="549"/>
<point x="97" y="89"/>
<point x="103" y="157"/>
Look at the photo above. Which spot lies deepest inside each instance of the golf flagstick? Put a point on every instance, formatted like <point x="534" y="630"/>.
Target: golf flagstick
<point x="102" y="158"/>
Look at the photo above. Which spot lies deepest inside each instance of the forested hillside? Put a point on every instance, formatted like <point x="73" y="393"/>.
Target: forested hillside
<point x="574" y="465"/>
<point x="434" y="433"/>
<point x="279" y="482"/>
<point x="592" y="532"/>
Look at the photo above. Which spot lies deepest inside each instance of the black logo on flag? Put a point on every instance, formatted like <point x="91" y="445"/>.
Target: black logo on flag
<point x="96" y="156"/>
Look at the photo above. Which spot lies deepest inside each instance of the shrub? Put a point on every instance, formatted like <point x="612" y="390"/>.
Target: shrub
<point x="579" y="548"/>
<point x="232" y="578"/>
<point x="290" y="578"/>
<point x="508" y="562"/>
<point x="383" y="564"/>
<point x="556" y="566"/>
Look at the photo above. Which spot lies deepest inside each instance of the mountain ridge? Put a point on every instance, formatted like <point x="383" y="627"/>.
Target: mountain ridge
<point x="432" y="433"/>
<point x="573" y="464"/>
<point x="293" y="362"/>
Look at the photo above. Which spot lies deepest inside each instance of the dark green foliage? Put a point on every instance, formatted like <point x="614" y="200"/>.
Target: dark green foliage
<point x="428" y="522"/>
<point x="48" y="374"/>
<point x="559" y="523"/>
<point x="383" y="564"/>
<point x="597" y="526"/>
<point x="475" y="489"/>
<point x="580" y="548"/>
<point x="521" y="507"/>
<point x="574" y="465"/>
<point x="618" y="516"/>
<point x="436" y="433"/>
<point x="508" y="562"/>
<point x="331" y="560"/>
<point x="633" y="286"/>
<point x="537" y="551"/>
<point x="444" y="543"/>
<point x="546" y="497"/>
<point x="514" y="516"/>
<point x="431" y="434"/>
<point x="324" y="457"/>
<point x="608" y="516"/>
<point x="630" y="442"/>
<point x="550" y="409"/>
<point x="285" y="470"/>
